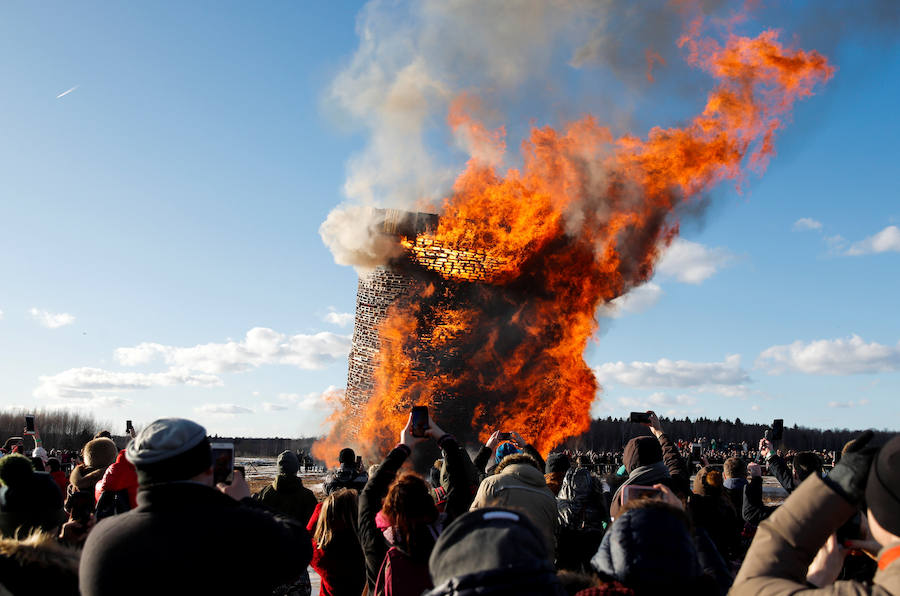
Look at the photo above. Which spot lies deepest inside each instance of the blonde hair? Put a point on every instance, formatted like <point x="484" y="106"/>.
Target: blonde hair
<point x="340" y="511"/>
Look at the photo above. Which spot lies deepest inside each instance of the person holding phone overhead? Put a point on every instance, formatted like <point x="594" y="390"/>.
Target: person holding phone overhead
<point x="186" y="535"/>
<point x="653" y="460"/>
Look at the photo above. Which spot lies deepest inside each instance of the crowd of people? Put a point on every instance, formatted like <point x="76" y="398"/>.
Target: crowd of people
<point x="659" y="516"/>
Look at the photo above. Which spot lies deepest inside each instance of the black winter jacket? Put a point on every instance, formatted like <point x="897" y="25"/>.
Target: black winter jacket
<point x="188" y="538"/>
<point x="459" y="497"/>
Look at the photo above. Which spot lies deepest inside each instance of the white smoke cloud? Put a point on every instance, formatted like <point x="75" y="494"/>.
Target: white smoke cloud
<point x="691" y="262"/>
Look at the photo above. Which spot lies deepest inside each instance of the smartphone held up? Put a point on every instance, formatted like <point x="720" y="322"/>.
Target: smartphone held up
<point x="223" y="462"/>
<point x="419" y="421"/>
<point x="29" y="424"/>
<point x="639" y="418"/>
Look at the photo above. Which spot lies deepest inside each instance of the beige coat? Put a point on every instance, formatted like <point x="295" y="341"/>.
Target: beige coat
<point x="787" y="542"/>
<point x="521" y="487"/>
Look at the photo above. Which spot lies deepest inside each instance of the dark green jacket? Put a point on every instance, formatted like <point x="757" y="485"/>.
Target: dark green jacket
<point x="287" y="495"/>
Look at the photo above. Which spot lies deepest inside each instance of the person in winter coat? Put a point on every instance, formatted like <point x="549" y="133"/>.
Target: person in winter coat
<point x="117" y="490"/>
<point x="348" y="475"/>
<point x="187" y="536"/>
<point x="796" y="550"/>
<point x="29" y="500"/>
<point x="711" y="510"/>
<point x="735" y="473"/>
<point x="649" y="461"/>
<point x="583" y="516"/>
<point x="59" y="477"/>
<point x="38" y="564"/>
<point x="651" y="550"/>
<point x="337" y="554"/>
<point x="398" y="520"/>
<point x="99" y="454"/>
<point x="518" y="484"/>
<point x="287" y="494"/>
<point x="492" y="551"/>
<point x="754" y="511"/>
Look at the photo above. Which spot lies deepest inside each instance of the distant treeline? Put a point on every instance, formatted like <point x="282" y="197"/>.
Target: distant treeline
<point x="59" y="429"/>
<point x="610" y="434"/>
<point x="68" y="429"/>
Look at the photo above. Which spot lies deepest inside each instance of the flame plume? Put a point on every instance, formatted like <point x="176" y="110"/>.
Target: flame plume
<point x="581" y="223"/>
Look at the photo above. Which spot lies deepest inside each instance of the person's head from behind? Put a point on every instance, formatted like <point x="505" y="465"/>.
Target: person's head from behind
<point x="103" y="434"/>
<point x="640" y="452"/>
<point x="649" y="548"/>
<point x="883" y="494"/>
<point x="338" y="516"/>
<point x="410" y="508"/>
<point x="735" y="468"/>
<point x="53" y="465"/>
<point x="288" y="463"/>
<point x="504" y="450"/>
<point x="29" y="500"/>
<point x="171" y="450"/>
<point x="806" y="463"/>
<point x="347" y="458"/>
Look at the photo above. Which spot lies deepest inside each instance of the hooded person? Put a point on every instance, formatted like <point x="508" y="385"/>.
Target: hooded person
<point x="29" y="500"/>
<point x="650" y="549"/>
<point x="711" y="510"/>
<point x="492" y="551"/>
<point x="99" y="454"/>
<point x="518" y="484"/>
<point x="652" y="460"/>
<point x="186" y="535"/>
<point x="38" y="564"/>
<point x="286" y="494"/>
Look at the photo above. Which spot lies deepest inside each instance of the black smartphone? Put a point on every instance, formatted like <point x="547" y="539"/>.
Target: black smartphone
<point x="504" y="437"/>
<point x="128" y="427"/>
<point x="639" y="417"/>
<point x="777" y="429"/>
<point x="419" y="421"/>
<point x="29" y="424"/>
<point x="359" y="462"/>
<point x="223" y="462"/>
<point x="696" y="451"/>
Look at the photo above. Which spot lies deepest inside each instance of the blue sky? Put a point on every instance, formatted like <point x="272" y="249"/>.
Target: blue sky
<point x="159" y="224"/>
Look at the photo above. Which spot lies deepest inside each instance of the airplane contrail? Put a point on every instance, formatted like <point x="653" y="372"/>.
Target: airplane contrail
<point x="66" y="92"/>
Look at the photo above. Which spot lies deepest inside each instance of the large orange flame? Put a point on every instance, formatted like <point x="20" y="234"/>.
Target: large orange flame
<point x="581" y="223"/>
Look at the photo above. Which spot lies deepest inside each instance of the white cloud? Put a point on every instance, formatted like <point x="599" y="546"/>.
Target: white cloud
<point x="637" y="300"/>
<point x="93" y="383"/>
<point x="807" y="223"/>
<point x="887" y="240"/>
<point x="270" y="407"/>
<point x="715" y="377"/>
<point x="755" y="407"/>
<point x="260" y="346"/>
<point x="341" y="319"/>
<point x="848" y="404"/>
<point x="51" y="320"/>
<point x="831" y="357"/>
<point x="226" y="409"/>
<point x="661" y="403"/>
<point x="691" y="262"/>
<point x="313" y="401"/>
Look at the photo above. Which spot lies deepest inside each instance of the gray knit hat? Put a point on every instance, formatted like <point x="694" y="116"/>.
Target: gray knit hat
<point x="288" y="464"/>
<point x="169" y="449"/>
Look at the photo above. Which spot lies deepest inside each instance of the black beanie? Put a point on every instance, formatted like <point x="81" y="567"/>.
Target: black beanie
<point x="883" y="487"/>
<point x="347" y="456"/>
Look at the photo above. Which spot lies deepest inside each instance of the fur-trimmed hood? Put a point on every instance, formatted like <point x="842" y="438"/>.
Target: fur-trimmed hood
<point x="38" y="564"/>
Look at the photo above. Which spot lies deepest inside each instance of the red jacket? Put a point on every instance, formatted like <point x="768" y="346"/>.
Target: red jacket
<point x="60" y="479"/>
<point x="119" y="476"/>
<point x="343" y="568"/>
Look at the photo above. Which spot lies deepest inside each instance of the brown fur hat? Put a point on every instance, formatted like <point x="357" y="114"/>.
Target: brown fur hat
<point x="100" y="453"/>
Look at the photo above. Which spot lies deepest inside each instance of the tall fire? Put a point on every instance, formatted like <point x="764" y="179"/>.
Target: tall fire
<point x="582" y="222"/>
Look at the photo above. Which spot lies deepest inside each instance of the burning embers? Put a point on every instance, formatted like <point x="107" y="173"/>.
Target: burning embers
<point x="582" y="222"/>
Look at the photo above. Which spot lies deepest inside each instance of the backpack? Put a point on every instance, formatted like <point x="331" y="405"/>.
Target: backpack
<point x="400" y="575"/>
<point x="580" y="502"/>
